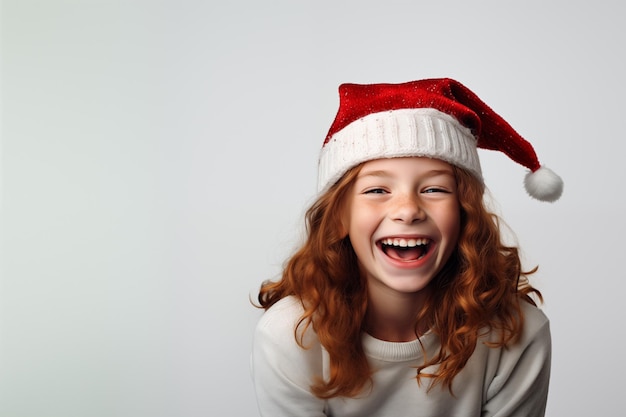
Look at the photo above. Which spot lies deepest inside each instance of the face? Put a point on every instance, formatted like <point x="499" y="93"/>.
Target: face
<point x="403" y="219"/>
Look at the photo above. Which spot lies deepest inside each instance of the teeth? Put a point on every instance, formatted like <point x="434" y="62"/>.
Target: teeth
<point x="405" y="243"/>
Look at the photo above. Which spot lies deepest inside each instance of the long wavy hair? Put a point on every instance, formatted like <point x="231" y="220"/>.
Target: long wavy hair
<point x="479" y="289"/>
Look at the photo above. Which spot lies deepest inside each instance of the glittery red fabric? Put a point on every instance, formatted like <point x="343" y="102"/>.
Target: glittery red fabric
<point x="444" y="94"/>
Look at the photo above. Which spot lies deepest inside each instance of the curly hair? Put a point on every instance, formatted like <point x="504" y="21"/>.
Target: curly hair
<point x="478" y="290"/>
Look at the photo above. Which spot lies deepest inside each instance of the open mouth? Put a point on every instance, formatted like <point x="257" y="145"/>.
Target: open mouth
<point x="405" y="250"/>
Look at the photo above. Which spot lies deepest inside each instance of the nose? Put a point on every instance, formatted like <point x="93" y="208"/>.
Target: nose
<point x="407" y="209"/>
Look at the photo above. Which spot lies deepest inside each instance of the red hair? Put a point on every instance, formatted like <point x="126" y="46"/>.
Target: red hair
<point x="479" y="289"/>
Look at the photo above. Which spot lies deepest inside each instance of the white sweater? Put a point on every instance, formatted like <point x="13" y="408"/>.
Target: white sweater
<point x="495" y="382"/>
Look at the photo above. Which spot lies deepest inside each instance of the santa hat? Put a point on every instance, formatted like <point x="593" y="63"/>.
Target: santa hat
<point x="436" y="118"/>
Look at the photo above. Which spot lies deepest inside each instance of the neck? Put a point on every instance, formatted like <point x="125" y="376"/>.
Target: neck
<point x="392" y="316"/>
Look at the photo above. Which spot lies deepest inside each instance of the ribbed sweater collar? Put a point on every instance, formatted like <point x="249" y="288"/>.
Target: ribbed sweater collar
<point x="397" y="351"/>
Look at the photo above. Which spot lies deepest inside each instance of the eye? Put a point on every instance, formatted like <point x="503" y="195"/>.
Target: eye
<point x="375" y="191"/>
<point x="431" y="190"/>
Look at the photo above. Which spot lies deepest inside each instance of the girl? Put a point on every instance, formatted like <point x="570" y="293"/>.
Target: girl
<point x="403" y="300"/>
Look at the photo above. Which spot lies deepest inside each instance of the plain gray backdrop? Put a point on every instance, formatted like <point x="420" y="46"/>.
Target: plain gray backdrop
<point x="157" y="158"/>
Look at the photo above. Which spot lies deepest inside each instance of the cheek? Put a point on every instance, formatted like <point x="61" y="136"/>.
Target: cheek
<point x="352" y="218"/>
<point x="362" y="222"/>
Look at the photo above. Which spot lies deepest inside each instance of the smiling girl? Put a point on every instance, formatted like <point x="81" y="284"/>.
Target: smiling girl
<point x="403" y="300"/>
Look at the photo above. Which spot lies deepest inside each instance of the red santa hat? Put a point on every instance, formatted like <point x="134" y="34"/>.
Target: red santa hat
<point x="436" y="118"/>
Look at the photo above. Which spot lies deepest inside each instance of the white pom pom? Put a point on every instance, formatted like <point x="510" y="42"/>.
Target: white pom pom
<point x="544" y="184"/>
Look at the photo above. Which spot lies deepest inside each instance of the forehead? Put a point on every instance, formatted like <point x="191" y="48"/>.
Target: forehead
<point x="414" y="163"/>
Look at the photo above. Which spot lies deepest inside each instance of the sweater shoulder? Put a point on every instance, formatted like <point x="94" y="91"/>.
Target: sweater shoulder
<point x="535" y="320"/>
<point x="280" y="321"/>
<point x="284" y="313"/>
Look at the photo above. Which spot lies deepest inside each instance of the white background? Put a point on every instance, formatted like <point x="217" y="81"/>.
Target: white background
<point x="157" y="157"/>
